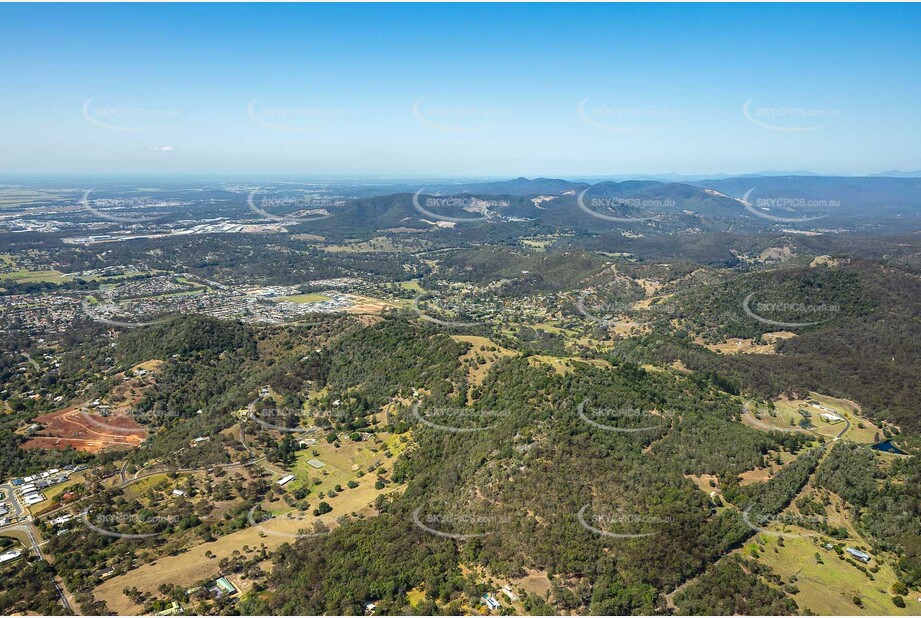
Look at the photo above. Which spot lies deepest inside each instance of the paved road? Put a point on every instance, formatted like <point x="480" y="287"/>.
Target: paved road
<point x="63" y="596"/>
<point x="31" y="534"/>
<point x="847" y="425"/>
<point x="16" y="508"/>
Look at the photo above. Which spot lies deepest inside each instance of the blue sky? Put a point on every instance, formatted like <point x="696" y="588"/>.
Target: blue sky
<point x="458" y="90"/>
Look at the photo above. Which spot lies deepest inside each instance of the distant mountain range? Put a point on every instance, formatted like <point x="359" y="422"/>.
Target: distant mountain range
<point x="739" y="204"/>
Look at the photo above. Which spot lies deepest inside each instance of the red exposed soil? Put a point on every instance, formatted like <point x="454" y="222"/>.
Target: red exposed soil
<point x="86" y="432"/>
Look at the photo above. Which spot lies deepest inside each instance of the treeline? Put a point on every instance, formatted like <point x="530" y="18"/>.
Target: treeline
<point x="733" y="587"/>
<point x="887" y="504"/>
<point x="524" y="482"/>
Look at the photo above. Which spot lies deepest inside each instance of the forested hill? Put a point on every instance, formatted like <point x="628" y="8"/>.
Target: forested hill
<point x="515" y="488"/>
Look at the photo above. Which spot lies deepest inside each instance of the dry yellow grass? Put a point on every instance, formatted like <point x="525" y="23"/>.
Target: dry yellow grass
<point x="564" y="364"/>
<point x="766" y="345"/>
<point x="703" y="482"/>
<point x="365" y="304"/>
<point x="193" y="565"/>
<point x="478" y="349"/>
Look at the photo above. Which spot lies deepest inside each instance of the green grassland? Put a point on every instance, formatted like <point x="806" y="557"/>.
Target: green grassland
<point x="829" y="587"/>
<point x="33" y="276"/>
<point x="343" y="463"/>
<point x="412" y="285"/>
<point x="787" y="415"/>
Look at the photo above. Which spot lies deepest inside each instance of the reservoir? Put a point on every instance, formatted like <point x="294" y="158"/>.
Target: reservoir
<point x="887" y="446"/>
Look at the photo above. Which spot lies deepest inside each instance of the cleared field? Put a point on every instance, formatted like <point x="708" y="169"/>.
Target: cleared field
<point x="564" y="365"/>
<point x="194" y="565"/>
<point x="412" y="285"/>
<point x="308" y="237"/>
<point x="34" y="276"/>
<point x="759" y="475"/>
<point x="56" y="490"/>
<point x="342" y="464"/>
<point x="26" y="197"/>
<point x="767" y="344"/>
<point x="703" y="482"/>
<point x="303" y="299"/>
<point x="366" y="304"/>
<point x="20" y="536"/>
<point x="830" y="587"/>
<point x="380" y="244"/>
<point x="478" y="349"/>
<point x="862" y="430"/>
<point x="85" y="432"/>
